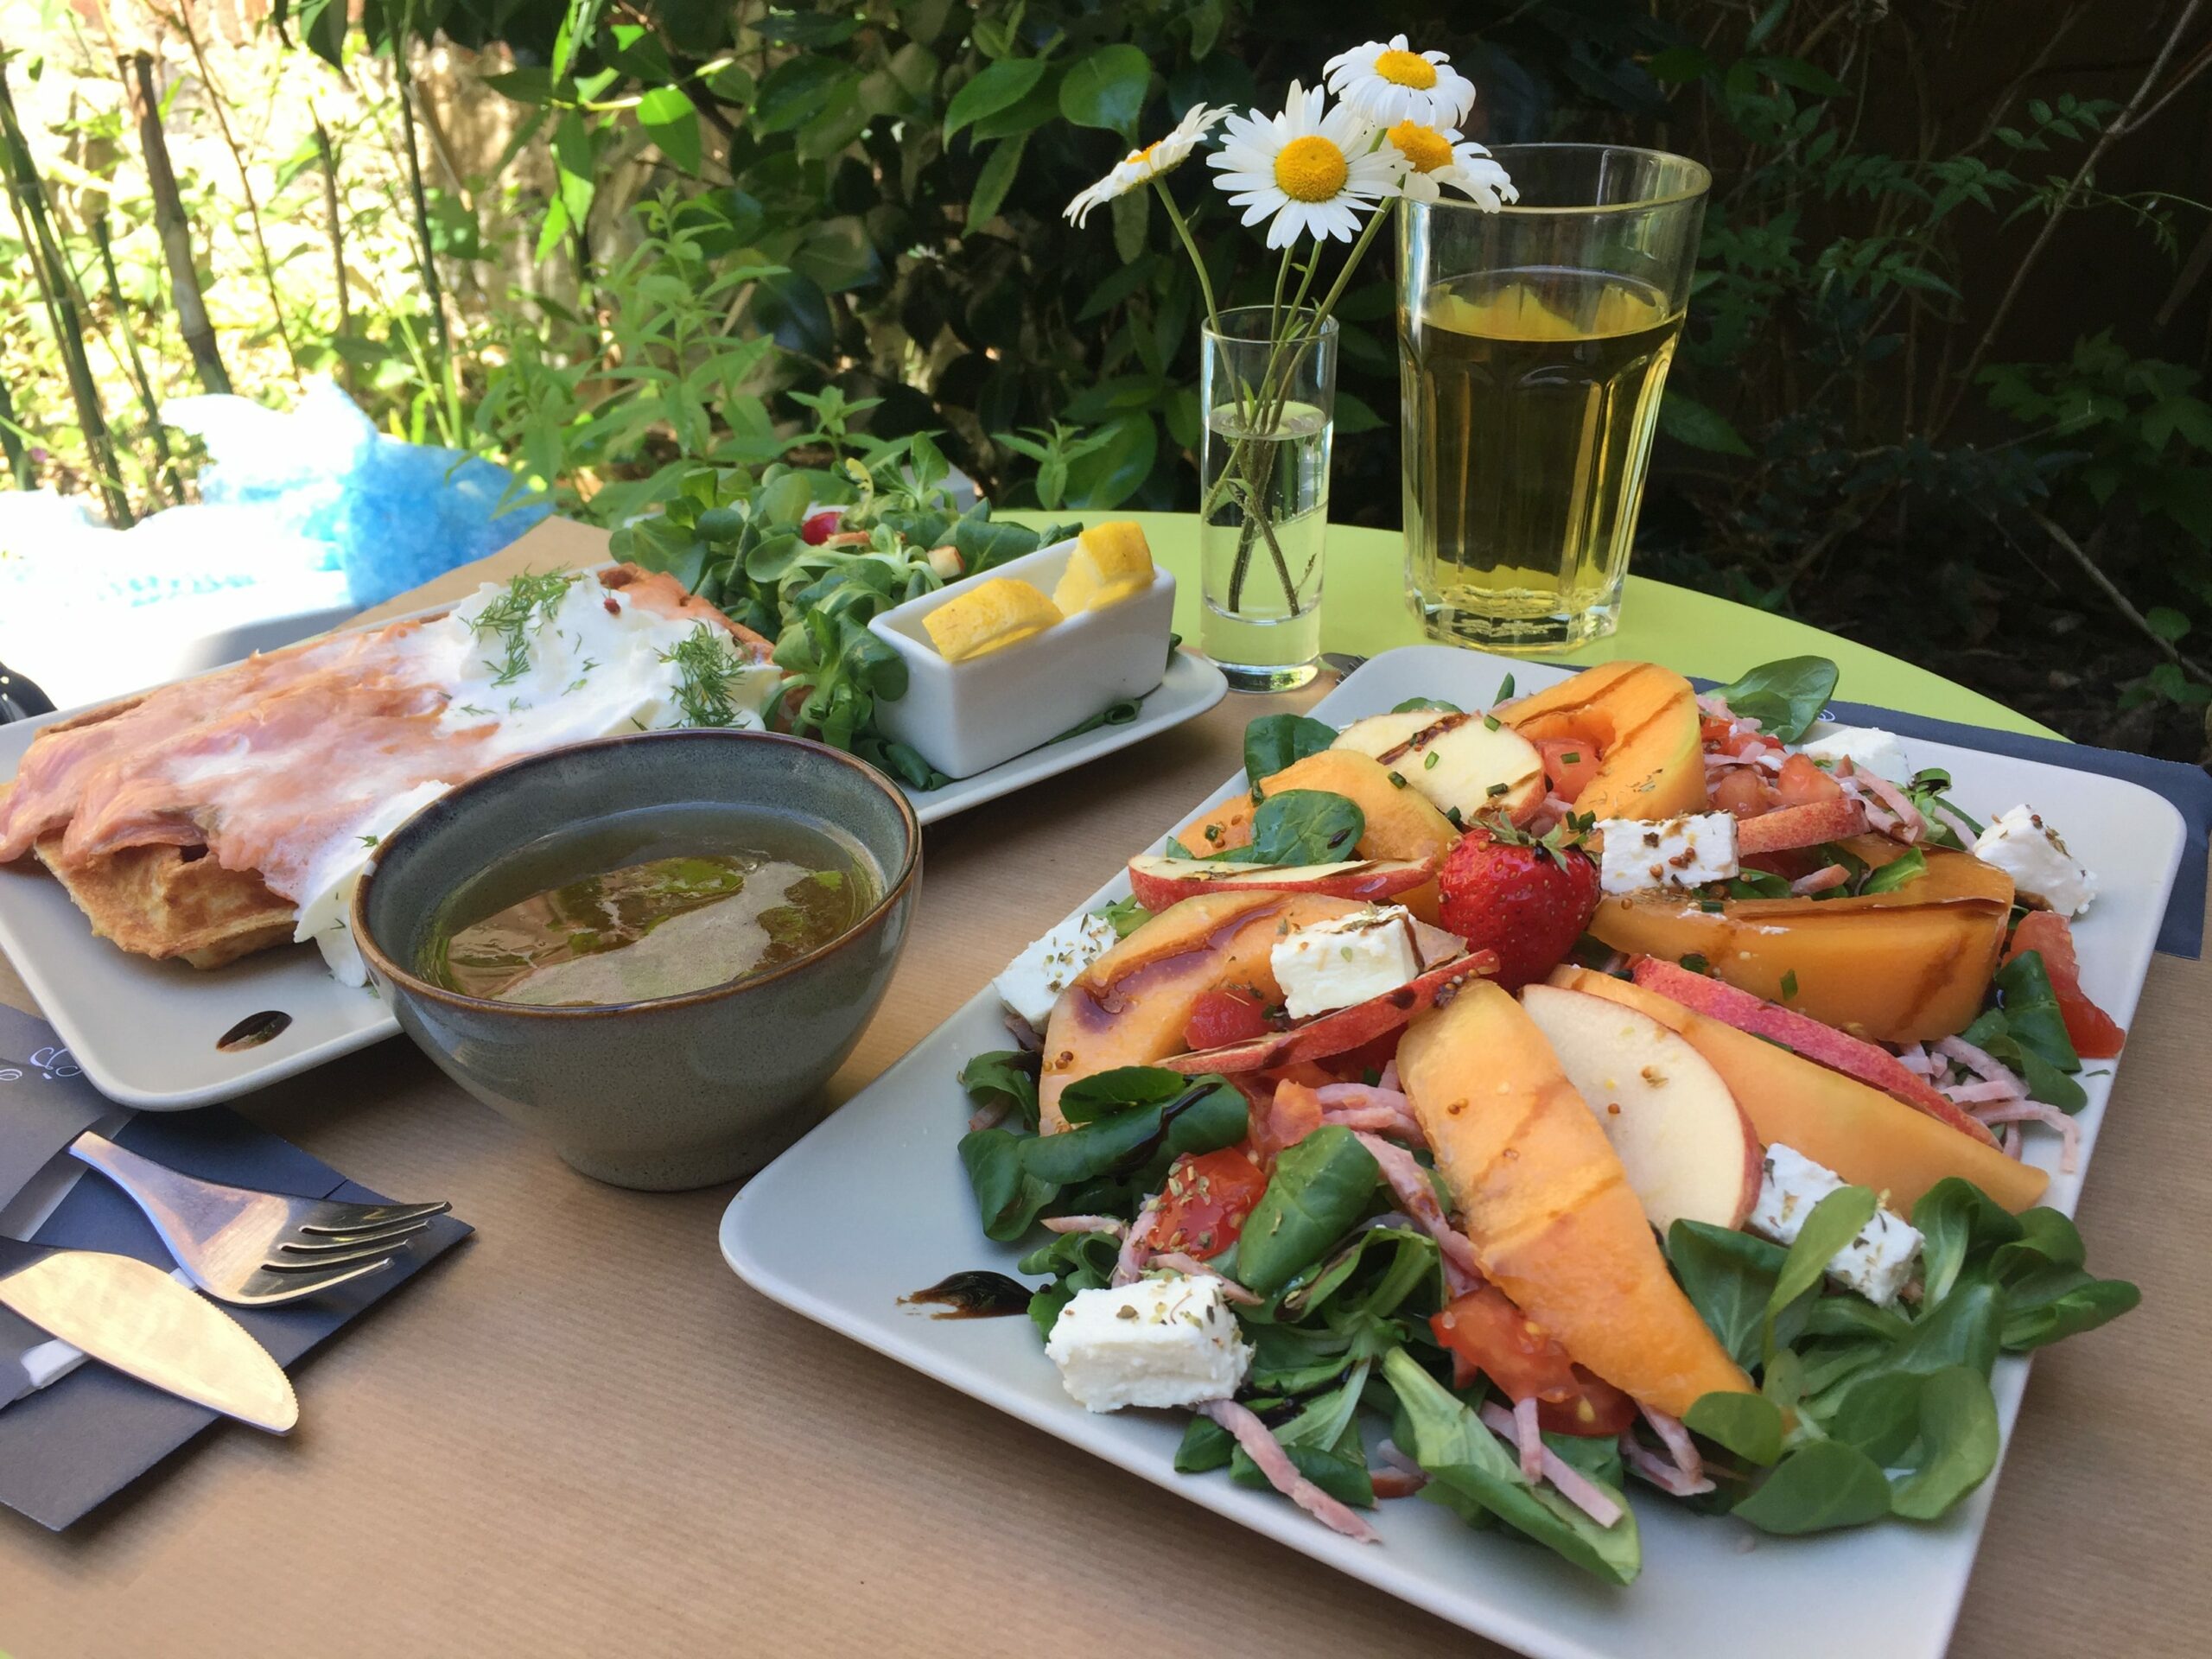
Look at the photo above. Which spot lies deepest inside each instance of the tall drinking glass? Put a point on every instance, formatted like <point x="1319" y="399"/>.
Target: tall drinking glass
<point x="1268" y="386"/>
<point x="1533" y="349"/>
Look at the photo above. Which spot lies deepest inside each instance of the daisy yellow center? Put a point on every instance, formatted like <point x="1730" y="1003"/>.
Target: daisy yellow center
<point x="1424" y="147"/>
<point x="1406" y="69"/>
<point x="1311" y="169"/>
<point x="1139" y="158"/>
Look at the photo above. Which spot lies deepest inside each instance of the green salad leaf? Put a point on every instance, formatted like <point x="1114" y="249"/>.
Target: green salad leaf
<point x="1821" y="1485"/>
<point x="1319" y="1187"/>
<point x="1785" y="698"/>
<point x="1003" y="1077"/>
<point x="1300" y="826"/>
<point x="1274" y="741"/>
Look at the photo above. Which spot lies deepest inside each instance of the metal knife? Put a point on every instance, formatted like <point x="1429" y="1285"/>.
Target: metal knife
<point x="131" y="1315"/>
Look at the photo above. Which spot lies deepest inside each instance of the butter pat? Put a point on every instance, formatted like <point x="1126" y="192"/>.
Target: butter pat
<point x="2029" y="850"/>
<point x="1032" y="981"/>
<point x="1110" y="563"/>
<point x="1170" y="1341"/>
<point x="1867" y="747"/>
<point x="1877" y="1264"/>
<point x="1685" y="852"/>
<point x="1347" y="959"/>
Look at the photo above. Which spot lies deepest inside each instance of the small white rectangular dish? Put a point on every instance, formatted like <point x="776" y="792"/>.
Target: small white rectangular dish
<point x="969" y="716"/>
<point x="146" y="1032"/>
<point x="904" y="1217"/>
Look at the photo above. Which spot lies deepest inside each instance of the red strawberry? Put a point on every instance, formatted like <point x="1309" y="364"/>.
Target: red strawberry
<point x="818" y="527"/>
<point x="1527" y="899"/>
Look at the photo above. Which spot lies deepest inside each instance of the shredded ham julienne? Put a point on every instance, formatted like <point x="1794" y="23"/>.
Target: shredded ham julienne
<point x="1980" y="1061"/>
<point x="1399" y="1476"/>
<point x="1572" y="1484"/>
<point x="987" y="1117"/>
<point x="1113" y="1224"/>
<point x="1982" y="1094"/>
<point x="1657" y="1471"/>
<point x="2014" y="1139"/>
<point x="2034" y="1111"/>
<point x="1529" y="1439"/>
<point x="1951" y="821"/>
<point x="1914" y="1060"/>
<point x="1676" y="1439"/>
<point x="1887" y="807"/>
<point x="1389" y="1078"/>
<point x="1820" y="880"/>
<point x="1359" y="1106"/>
<point x="1410" y="1182"/>
<point x="1193" y="1267"/>
<point x="1550" y="813"/>
<point x="1026" y="1036"/>
<point x="1275" y="1463"/>
<point x="1129" y="1267"/>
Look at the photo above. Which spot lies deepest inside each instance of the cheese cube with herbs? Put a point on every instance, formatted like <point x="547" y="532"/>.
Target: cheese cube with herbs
<point x="1346" y="959"/>
<point x="2029" y="850"/>
<point x="1877" y="1264"/>
<point x="1867" y="747"/>
<point x="1164" y="1341"/>
<point x="1032" y="981"/>
<point x="1685" y="852"/>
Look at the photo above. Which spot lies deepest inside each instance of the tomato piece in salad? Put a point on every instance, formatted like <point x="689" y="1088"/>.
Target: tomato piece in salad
<point x="1222" y="1017"/>
<point x="1569" y="764"/>
<point x="1485" y="1334"/>
<point x="1741" y="792"/>
<point x="1203" y="1207"/>
<point x="2095" y="1034"/>
<point x="1800" y="783"/>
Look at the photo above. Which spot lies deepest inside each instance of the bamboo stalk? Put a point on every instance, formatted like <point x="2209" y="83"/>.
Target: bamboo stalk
<point x="431" y="289"/>
<point x="172" y="486"/>
<point x="11" y="442"/>
<point x="328" y="156"/>
<point x="182" y="18"/>
<point x="137" y="72"/>
<point x="27" y="192"/>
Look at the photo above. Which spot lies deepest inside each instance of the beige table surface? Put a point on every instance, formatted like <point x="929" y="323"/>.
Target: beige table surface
<point x="582" y="1434"/>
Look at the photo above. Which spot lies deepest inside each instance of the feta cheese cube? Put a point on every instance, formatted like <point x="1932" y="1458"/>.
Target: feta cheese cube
<point x="1876" y="1264"/>
<point x="1162" y="1341"/>
<point x="1867" y="747"/>
<point x="1032" y="981"/>
<point x="1686" y="852"/>
<point x="1347" y="959"/>
<point x="2029" y="850"/>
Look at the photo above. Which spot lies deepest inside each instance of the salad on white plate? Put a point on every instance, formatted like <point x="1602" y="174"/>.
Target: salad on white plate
<point x="1609" y="1091"/>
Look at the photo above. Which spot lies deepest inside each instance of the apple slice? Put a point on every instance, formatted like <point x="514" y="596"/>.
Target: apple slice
<point x="1158" y="882"/>
<point x="1689" y="1151"/>
<point x="1341" y="1030"/>
<point x="1793" y="827"/>
<point x="1803" y="1035"/>
<point x="1458" y="761"/>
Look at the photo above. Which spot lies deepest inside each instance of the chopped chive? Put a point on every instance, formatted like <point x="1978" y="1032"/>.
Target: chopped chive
<point x="1711" y="906"/>
<point x="1492" y="722"/>
<point x="1696" y="963"/>
<point x="1572" y="757"/>
<point x="1496" y="790"/>
<point x="1397" y="781"/>
<point x="1429" y="764"/>
<point x="1789" y="986"/>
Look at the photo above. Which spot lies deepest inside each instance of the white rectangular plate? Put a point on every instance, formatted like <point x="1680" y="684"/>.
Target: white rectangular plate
<point x="903" y="1218"/>
<point x="145" y="1031"/>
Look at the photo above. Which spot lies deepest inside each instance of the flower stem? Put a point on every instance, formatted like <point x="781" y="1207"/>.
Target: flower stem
<point x="1183" y="230"/>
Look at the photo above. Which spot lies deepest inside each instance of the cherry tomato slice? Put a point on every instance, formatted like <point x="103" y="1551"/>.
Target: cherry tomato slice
<point x="1223" y="1017"/>
<point x="1800" y="783"/>
<point x="1569" y="763"/>
<point x="1206" y="1200"/>
<point x="1485" y="1333"/>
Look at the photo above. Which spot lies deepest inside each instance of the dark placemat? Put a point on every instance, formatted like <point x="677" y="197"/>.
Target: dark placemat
<point x="69" y="1447"/>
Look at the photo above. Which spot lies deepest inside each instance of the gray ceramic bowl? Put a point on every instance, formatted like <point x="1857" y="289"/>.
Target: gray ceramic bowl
<point x="683" y="1090"/>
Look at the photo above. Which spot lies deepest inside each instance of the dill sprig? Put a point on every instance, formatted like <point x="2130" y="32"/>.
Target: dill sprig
<point x="509" y="620"/>
<point x="708" y="671"/>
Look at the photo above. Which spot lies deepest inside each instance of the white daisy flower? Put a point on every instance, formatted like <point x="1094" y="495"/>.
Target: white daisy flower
<point x="1436" y="156"/>
<point x="1142" y="166"/>
<point x="1390" y="83"/>
<point x="1312" y="169"/>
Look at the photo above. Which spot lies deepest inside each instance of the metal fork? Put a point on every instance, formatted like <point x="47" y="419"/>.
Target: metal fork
<point x="256" y="1249"/>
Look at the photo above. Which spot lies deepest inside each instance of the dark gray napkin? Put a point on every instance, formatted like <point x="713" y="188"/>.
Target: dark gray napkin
<point x="67" y="1448"/>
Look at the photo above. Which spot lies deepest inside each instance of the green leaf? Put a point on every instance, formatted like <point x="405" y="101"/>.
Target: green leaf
<point x="1007" y="1077"/>
<point x="1132" y="215"/>
<point x="1204" y="20"/>
<point x="1274" y="741"/>
<point x="797" y="90"/>
<point x="1682" y="418"/>
<point x="1818" y="1487"/>
<point x="1785" y="696"/>
<point x="1107" y="89"/>
<point x="2031" y="1011"/>
<point x="1007" y="1197"/>
<point x="1302" y="826"/>
<point x="1879" y="1414"/>
<point x="1126" y="914"/>
<point x="994" y="179"/>
<point x="1911" y="865"/>
<point x="1472" y="1474"/>
<point x="1101" y="478"/>
<point x="1090" y="1098"/>
<point x="1959" y="1443"/>
<point x="671" y="121"/>
<point x="1834" y="1222"/>
<point x="1730" y="1278"/>
<point x="996" y="88"/>
<point x="1412" y="703"/>
<point x="1750" y="1424"/>
<point x="2060" y="1302"/>
<point x="1319" y="1187"/>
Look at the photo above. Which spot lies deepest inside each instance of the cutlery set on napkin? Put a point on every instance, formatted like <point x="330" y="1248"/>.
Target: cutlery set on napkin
<point x="120" y="1270"/>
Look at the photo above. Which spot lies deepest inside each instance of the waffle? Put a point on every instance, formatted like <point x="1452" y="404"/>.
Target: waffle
<point x="173" y="902"/>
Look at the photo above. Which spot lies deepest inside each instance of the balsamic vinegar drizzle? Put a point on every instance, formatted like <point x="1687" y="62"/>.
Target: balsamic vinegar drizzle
<point x="974" y="1295"/>
<point x="253" y="1031"/>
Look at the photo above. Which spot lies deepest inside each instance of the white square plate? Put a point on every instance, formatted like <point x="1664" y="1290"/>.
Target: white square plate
<point x="903" y="1218"/>
<point x="145" y="1031"/>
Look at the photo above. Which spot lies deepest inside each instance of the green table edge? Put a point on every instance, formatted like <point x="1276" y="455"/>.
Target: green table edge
<point x="1365" y="611"/>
